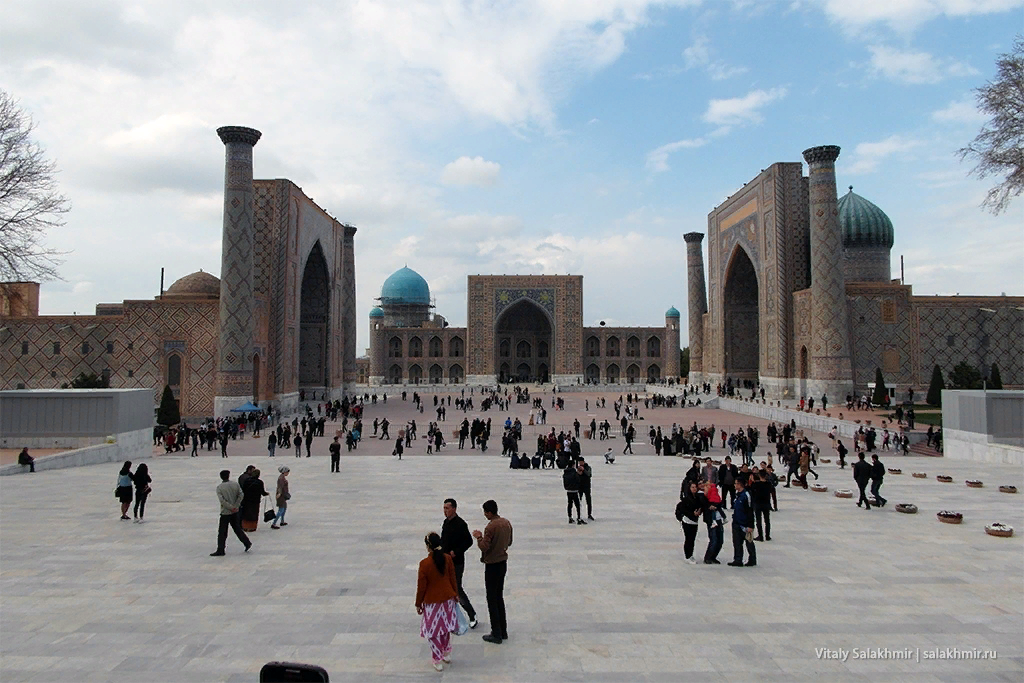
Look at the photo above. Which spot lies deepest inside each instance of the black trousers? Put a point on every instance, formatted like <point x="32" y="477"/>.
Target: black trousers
<point x="739" y="538"/>
<point x="494" y="582"/>
<point x="463" y="598"/>
<point x="140" y="503"/>
<point x="336" y="462"/>
<point x="760" y="512"/>
<point x="590" y="508"/>
<point x="573" y="500"/>
<point x="689" y="538"/>
<point x="231" y="520"/>
<point x="863" y="495"/>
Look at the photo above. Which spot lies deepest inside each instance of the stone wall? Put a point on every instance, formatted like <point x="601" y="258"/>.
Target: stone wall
<point x="134" y="446"/>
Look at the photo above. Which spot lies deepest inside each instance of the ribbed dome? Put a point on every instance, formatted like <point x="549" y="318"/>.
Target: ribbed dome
<point x="376" y="312"/>
<point x="672" y="313"/>
<point x="195" y="284"/>
<point x="405" y="287"/>
<point x="862" y="223"/>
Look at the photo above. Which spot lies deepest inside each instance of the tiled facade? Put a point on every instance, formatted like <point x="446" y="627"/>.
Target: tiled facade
<point x="550" y="344"/>
<point x="300" y="330"/>
<point x="878" y="324"/>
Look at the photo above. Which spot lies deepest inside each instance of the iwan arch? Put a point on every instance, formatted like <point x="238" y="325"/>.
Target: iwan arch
<point x="798" y="297"/>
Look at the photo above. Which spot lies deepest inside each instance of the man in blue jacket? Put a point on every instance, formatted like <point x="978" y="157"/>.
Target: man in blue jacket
<point x="742" y="526"/>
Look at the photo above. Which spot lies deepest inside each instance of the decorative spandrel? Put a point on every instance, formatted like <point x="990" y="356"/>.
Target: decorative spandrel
<point x="543" y="297"/>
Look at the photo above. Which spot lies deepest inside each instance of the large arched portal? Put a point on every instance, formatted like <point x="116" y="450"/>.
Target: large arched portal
<point x="525" y="328"/>
<point x="314" y="312"/>
<point x="742" y="342"/>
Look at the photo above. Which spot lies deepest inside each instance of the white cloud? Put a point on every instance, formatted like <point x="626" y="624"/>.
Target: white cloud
<point x="740" y="110"/>
<point x="471" y="171"/>
<point x="868" y="155"/>
<point x="906" y="15"/>
<point x="698" y="56"/>
<point x="960" y="111"/>
<point x="906" y="66"/>
<point x="657" y="159"/>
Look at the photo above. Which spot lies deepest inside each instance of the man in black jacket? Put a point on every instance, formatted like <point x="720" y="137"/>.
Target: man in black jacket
<point x="456" y="540"/>
<point x="571" y="483"/>
<point x="586" y="473"/>
<point x="727" y="474"/>
<point x="862" y="475"/>
<point x="761" y="497"/>
<point x="877" y="474"/>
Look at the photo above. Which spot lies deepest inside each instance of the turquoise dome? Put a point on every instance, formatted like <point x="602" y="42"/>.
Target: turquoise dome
<point x="405" y="287"/>
<point x="376" y="312"/>
<point x="672" y="313"/>
<point x="862" y="223"/>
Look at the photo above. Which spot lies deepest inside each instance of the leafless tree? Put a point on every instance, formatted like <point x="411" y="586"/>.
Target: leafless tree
<point x="999" y="147"/>
<point x="29" y="201"/>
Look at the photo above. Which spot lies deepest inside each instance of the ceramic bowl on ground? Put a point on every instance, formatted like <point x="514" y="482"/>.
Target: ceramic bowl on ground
<point x="919" y="475"/>
<point x="950" y="517"/>
<point x="944" y="478"/>
<point x="1008" y="489"/>
<point x="844" y="493"/>
<point x="906" y="508"/>
<point x="974" y="483"/>
<point x="826" y="460"/>
<point x="895" y="470"/>
<point x="820" y="488"/>
<point x="999" y="529"/>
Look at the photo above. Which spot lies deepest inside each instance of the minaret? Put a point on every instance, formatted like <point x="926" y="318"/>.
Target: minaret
<point x="348" y="312"/>
<point x="378" y="349"/>
<point x="234" y="382"/>
<point x="831" y="369"/>
<point x="697" y="303"/>
<point x="671" y="352"/>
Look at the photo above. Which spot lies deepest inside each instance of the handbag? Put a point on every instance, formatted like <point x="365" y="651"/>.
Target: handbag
<point x="268" y="514"/>
<point x="461" y="622"/>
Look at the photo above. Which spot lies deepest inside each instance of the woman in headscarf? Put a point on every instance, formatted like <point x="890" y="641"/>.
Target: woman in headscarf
<point x="252" y="493"/>
<point x="436" y="598"/>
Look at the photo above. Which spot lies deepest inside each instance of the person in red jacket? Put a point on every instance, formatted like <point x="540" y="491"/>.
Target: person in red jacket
<point x="436" y="597"/>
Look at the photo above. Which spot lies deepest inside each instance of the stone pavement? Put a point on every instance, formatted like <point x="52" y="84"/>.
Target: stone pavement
<point x="85" y="596"/>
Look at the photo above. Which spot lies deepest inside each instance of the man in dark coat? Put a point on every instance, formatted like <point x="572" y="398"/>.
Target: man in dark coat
<point x="877" y="474"/>
<point x="727" y="474"/>
<point x="456" y="540"/>
<point x="862" y="475"/>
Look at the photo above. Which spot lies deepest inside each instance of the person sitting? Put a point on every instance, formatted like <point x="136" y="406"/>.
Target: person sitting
<point x="609" y="457"/>
<point x="25" y="459"/>
<point x="535" y="461"/>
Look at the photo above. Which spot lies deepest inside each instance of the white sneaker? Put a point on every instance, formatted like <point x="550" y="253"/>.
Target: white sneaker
<point x="438" y="666"/>
<point x="142" y="521"/>
<point x="691" y="560"/>
<point x="135" y="521"/>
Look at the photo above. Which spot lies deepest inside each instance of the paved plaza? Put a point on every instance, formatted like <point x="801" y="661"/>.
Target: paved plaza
<point x="85" y="596"/>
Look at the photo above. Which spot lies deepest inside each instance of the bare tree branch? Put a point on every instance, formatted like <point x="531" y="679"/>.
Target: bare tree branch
<point x="999" y="147"/>
<point x="29" y="201"/>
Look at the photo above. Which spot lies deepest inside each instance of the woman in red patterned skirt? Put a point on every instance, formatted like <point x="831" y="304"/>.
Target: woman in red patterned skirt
<point x="436" y="598"/>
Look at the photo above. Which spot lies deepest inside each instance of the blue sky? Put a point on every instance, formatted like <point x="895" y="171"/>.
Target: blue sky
<point x="578" y="136"/>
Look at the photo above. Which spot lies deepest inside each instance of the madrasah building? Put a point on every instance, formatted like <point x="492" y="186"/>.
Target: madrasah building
<point x="796" y="297"/>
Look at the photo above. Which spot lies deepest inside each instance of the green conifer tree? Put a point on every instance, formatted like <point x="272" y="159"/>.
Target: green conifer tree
<point x="934" y="397"/>
<point x="168" y="414"/>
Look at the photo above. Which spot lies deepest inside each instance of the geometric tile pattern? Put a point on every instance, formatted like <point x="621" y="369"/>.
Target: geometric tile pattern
<point x="236" y="299"/>
<point x="829" y="351"/>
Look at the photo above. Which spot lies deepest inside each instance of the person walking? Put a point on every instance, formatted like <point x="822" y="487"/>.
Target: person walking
<point x="841" y="450"/>
<point x="229" y="493"/>
<point x="688" y="511"/>
<point x="571" y="484"/>
<point x="494" y="543"/>
<point x="742" y="527"/>
<point x="282" y="497"/>
<point x="877" y="475"/>
<point x="436" y="595"/>
<point x="335" y="449"/>
<point x="862" y="475"/>
<point x="298" y="444"/>
<point x="123" y="492"/>
<point x="253" y="492"/>
<point x="586" y="474"/>
<point x="142" y="489"/>
<point x="272" y="443"/>
<point x="456" y="540"/>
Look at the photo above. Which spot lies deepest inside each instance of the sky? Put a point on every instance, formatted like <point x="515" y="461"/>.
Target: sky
<point x="532" y="137"/>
